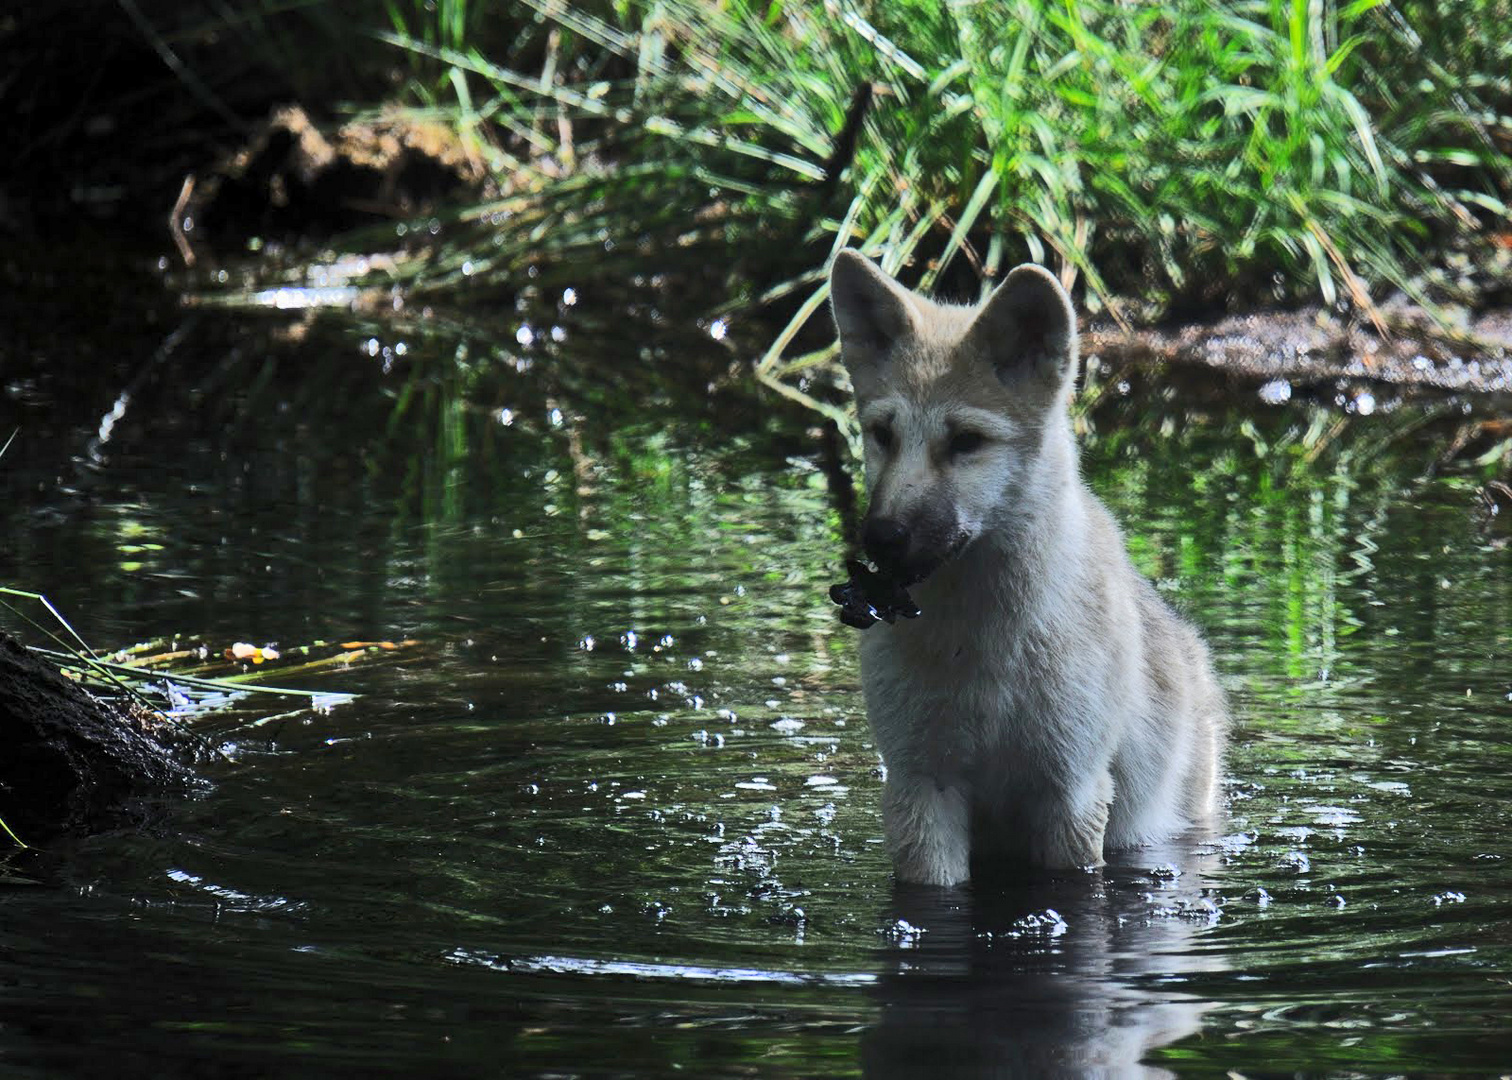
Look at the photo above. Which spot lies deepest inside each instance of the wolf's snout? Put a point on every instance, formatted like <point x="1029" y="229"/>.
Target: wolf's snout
<point x="886" y="541"/>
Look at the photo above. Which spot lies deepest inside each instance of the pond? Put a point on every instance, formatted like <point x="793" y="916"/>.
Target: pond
<point x="611" y="807"/>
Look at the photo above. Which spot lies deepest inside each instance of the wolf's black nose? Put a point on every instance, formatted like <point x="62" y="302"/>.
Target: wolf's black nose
<point x="885" y="540"/>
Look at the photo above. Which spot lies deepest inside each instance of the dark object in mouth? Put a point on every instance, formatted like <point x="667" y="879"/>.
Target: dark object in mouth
<point x="871" y="595"/>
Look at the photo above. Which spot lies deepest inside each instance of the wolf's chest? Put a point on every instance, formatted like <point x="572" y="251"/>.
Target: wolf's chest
<point x="961" y="698"/>
<point x="978" y="661"/>
<point x="953" y="702"/>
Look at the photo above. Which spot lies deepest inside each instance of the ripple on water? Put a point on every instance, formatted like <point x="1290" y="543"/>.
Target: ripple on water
<point x="628" y="797"/>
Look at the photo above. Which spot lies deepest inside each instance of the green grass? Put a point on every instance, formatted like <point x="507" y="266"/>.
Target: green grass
<point x="1186" y="138"/>
<point x="1178" y="156"/>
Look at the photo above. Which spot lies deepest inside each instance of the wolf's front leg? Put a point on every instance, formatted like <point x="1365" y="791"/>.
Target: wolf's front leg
<point x="928" y="830"/>
<point x="1069" y="827"/>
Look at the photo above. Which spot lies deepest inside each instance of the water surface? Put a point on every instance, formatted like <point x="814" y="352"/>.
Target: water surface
<point x="616" y="812"/>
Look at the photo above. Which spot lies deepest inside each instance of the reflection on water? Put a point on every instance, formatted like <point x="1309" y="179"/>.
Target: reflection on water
<point x="617" y="812"/>
<point x="1064" y="976"/>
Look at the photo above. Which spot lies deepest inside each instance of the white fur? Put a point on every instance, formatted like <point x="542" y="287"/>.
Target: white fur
<point x="1047" y="705"/>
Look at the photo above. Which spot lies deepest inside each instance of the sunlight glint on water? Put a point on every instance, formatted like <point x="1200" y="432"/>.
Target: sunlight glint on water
<point x="619" y="809"/>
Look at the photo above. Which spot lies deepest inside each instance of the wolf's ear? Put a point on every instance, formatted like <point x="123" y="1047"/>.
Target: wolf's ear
<point x="871" y="309"/>
<point x="1028" y="327"/>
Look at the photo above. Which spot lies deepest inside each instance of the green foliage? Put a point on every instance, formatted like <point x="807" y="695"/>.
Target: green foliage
<point x="1178" y="149"/>
<point x="1188" y="151"/>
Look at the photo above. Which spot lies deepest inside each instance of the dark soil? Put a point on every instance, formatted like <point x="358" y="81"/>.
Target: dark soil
<point x="73" y="761"/>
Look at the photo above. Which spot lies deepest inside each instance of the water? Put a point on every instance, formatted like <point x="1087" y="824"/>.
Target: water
<point x="615" y="811"/>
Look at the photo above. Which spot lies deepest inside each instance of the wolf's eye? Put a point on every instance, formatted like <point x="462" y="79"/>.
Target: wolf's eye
<point x="964" y="442"/>
<point x="883" y="434"/>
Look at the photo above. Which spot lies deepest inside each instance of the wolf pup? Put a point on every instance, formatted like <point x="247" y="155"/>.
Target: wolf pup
<point x="1047" y="706"/>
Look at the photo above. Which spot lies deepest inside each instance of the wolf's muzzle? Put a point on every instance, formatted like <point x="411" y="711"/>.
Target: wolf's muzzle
<point x="886" y="541"/>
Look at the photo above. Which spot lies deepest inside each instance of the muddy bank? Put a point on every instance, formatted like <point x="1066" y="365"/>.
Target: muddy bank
<point x="73" y="761"/>
<point x="1311" y="344"/>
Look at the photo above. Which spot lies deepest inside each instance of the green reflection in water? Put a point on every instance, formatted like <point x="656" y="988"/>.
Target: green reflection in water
<point x="619" y="809"/>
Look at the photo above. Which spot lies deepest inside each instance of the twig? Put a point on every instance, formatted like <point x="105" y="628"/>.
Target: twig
<point x="846" y="139"/>
<point x="176" y="220"/>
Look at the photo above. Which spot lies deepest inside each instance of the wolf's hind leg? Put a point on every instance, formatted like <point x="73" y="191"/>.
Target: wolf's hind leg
<point x="928" y="830"/>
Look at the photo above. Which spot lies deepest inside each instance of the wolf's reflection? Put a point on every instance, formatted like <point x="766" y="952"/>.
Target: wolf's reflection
<point x="983" y="983"/>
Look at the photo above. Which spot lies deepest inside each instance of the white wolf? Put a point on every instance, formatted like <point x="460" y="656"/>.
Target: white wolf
<point x="1048" y="705"/>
